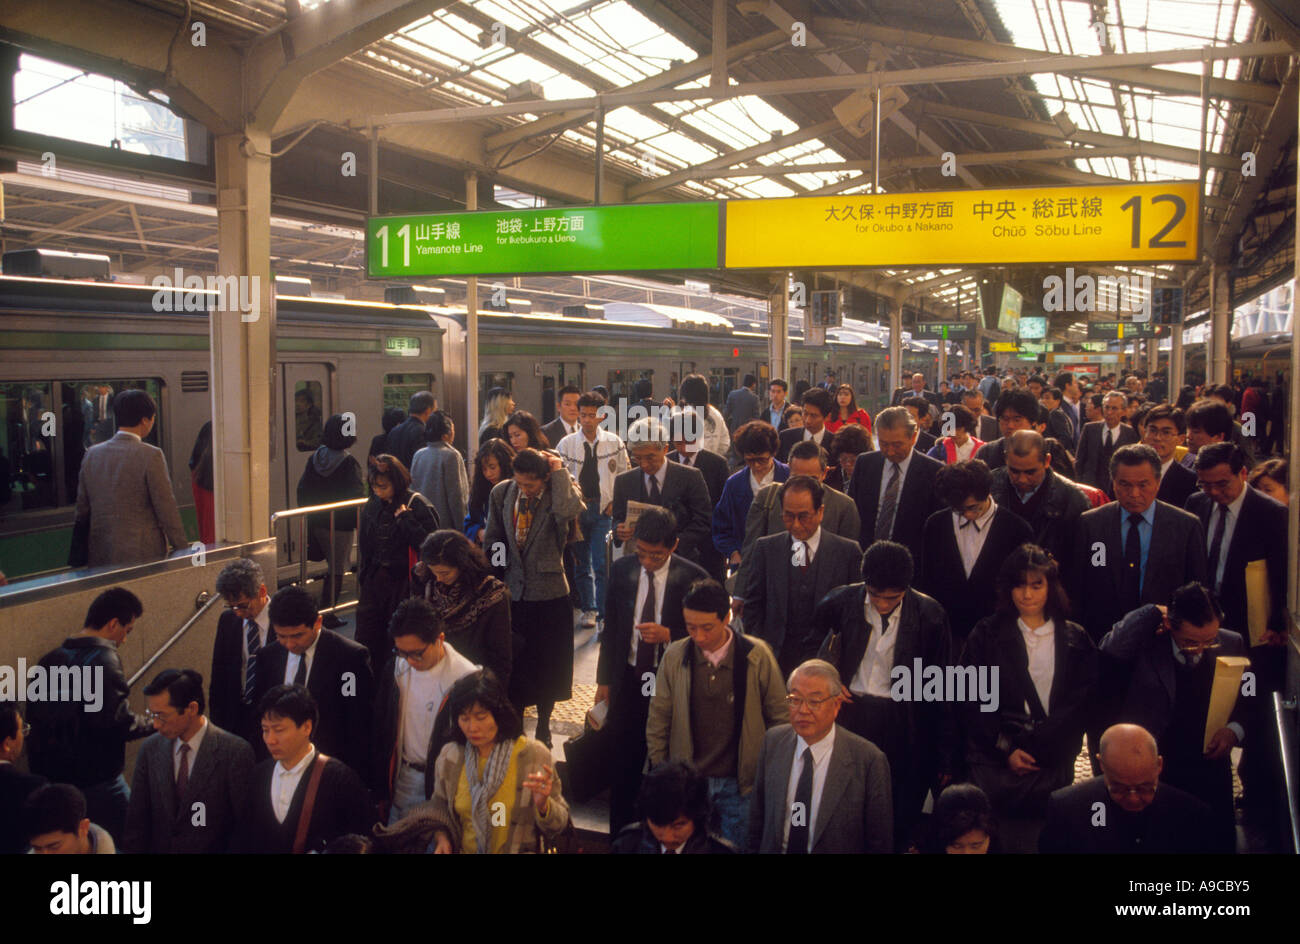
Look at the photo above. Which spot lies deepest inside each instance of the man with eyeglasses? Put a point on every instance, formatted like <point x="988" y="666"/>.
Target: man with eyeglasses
<point x="243" y="636"/>
<point x="870" y="627"/>
<point x="1168" y="660"/>
<point x="412" y="690"/>
<point x="789" y="572"/>
<point x="15" y="785"/>
<point x="757" y="444"/>
<point x="1126" y="810"/>
<point x="643" y="615"/>
<point x="819" y="788"/>
<point x="1165" y="427"/>
<point x="190" y="787"/>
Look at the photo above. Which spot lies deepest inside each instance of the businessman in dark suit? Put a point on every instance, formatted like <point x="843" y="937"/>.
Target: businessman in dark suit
<point x="1168" y="662"/>
<point x="243" y="635"/>
<point x="894" y="486"/>
<point x="335" y="670"/>
<point x="407" y="438"/>
<point x="1099" y="440"/>
<point x="1049" y="504"/>
<point x="919" y="407"/>
<point x="1016" y="410"/>
<point x="287" y="787"/>
<point x="965" y="544"/>
<point x="741" y="405"/>
<point x="916" y="388"/>
<point x="986" y="429"/>
<point x="818" y="406"/>
<point x="566" y="422"/>
<point x="791" y="571"/>
<point x="871" y="627"/>
<point x="191" y="778"/>
<point x="1071" y="392"/>
<point x="1139" y="813"/>
<point x="15" y="785"/>
<point x="1247" y="530"/>
<point x="1059" y="424"/>
<point x="644" y="615"/>
<point x="840" y="801"/>
<point x="670" y="485"/>
<point x="715" y="471"/>
<point x="1164" y="430"/>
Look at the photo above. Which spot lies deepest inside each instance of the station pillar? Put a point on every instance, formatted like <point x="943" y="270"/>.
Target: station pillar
<point x="1175" y="362"/>
<point x="243" y="360"/>
<point x="778" y="319"/>
<point x="471" y="336"/>
<point x="896" y="345"/>
<point x="1220" y="323"/>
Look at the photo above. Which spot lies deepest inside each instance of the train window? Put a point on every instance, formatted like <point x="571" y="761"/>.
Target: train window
<point x="399" y="387"/>
<point x="722" y="380"/>
<point x="306" y="415"/>
<point x="486" y="381"/>
<point x="622" y="384"/>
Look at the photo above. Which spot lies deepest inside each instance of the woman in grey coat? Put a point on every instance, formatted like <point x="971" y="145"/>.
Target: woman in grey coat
<point x="438" y="470"/>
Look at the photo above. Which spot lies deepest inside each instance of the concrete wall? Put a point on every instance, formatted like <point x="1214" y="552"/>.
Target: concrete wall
<point x="37" y="616"/>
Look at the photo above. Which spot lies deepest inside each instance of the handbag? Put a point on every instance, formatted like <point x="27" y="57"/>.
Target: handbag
<point x="588" y="759"/>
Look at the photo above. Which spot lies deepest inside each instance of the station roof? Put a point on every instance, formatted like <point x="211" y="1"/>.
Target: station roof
<point x="374" y="63"/>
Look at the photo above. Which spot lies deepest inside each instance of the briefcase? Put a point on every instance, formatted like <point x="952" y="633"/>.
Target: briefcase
<point x="588" y="761"/>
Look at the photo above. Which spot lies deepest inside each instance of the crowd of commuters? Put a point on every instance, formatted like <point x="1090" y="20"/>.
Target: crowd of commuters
<point x="812" y="621"/>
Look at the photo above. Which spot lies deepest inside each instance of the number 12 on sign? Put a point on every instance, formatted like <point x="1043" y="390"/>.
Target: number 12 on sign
<point x="1157" y="241"/>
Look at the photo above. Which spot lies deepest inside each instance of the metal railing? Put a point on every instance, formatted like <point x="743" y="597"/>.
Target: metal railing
<point x="331" y="558"/>
<point x="1284" y="715"/>
<point x="208" y="603"/>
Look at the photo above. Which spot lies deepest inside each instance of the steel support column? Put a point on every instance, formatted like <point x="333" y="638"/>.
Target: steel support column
<point x="895" y="345"/>
<point x="1176" y="362"/>
<point x="1293" y="475"/>
<point x="1220" y="323"/>
<point x="778" y="346"/>
<point x="471" y="335"/>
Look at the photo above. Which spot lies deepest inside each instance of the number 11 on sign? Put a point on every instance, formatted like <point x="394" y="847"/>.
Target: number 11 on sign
<point x="404" y="234"/>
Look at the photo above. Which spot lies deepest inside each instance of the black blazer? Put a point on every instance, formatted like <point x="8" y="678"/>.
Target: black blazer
<point x="916" y="500"/>
<point x="991" y="736"/>
<point x="1174" y="824"/>
<point x="838" y="561"/>
<point x="339" y="665"/>
<point x="1060" y="426"/>
<point x="342" y="807"/>
<point x="554" y="431"/>
<point x="226" y="708"/>
<point x="15" y="787"/>
<point x="1176" y="556"/>
<point x="1260" y="534"/>
<point x="940" y="573"/>
<point x="405" y="439"/>
<point x="1055" y="517"/>
<point x="714" y="469"/>
<point x="922" y="634"/>
<point x="1177" y="485"/>
<point x="1092" y="463"/>
<point x="621" y="618"/>
<point x="902" y="393"/>
<point x="989" y="429"/>
<point x="684" y="493"/>
<point x="788" y="438"/>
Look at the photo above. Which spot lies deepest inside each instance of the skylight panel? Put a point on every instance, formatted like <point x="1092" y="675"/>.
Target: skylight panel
<point x="450" y="35"/>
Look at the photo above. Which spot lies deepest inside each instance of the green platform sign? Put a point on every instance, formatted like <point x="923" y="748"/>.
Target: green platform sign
<point x="634" y="238"/>
<point x="1119" y="330"/>
<point x="952" y="331"/>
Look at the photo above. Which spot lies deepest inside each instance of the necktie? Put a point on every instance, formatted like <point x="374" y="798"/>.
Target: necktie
<point x="654" y="491"/>
<point x="1132" y="582"/>
<point x="250" y="676"/>
<point x="1216" y="545"/>
<point x="645" y="652"/>
<point x="300" y="677"/>
<point x="885" y="517"/>
<point x="183" y="775"/>
<point x="1109" y="439"/>
<point x="801" y="811"/>
<point x="589" y="477"/>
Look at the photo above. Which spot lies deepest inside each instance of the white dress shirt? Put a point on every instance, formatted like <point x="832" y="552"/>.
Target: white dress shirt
<point x="1165" y="468"/>
<point x="291" y="663"/>
<point x="194" y="743"/>
<point x="1040" y="646"/>
<point x="821" y="757"/>
<point x="1229" y="527"/>
<point x="873" y="674"/>
<point x="284" y="782"/>
<point x="970" y="539"/>
<point x="642" y="588"/>
<point x="818" y="437"/>
<point x="809" y="547"/>
<point x="756" y="485"/>
<point x="966" y="450"/>
<point x="661" y="476"/>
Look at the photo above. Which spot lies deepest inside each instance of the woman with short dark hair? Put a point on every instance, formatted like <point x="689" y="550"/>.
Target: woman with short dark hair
<point x="495" y="790"/>
<point x="393" y="525"/>
<point x="962" y="823"/>
<point x="494" y="462"/>
<point x="474" y="606"/>
<point x="331" y="475"/>
<point x="850" y="442"/>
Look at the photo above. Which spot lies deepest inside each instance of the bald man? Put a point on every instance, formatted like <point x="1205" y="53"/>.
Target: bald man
<point x="1127" y="809"/>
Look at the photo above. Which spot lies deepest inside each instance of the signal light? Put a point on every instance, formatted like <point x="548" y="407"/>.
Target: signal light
<point x="735" y="352"/>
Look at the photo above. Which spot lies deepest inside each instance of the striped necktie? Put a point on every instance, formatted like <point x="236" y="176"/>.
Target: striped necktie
<point x="254" y="647"/>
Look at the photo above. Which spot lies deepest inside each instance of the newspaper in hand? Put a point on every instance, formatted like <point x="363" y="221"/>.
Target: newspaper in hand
<point x="634" y="509"/>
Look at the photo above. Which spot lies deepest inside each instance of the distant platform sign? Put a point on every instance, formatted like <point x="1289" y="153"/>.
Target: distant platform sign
<point x="952" y="331"/>
<point x="634" y="238"/>
<point x="1153" y="222"/>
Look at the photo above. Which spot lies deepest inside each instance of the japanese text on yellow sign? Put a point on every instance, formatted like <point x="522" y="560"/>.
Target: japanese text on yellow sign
<point x="1154" y="222"/>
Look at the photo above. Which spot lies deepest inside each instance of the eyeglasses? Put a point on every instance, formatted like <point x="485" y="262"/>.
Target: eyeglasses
<point x="26" y="730"/>
<point x="241" y="605"/>
<point x="1144" y="790"/>
<point x="763" y="459"/>
<point x="798" y="703"/>
<point x="1197" y="647"/>
<point x="652" y="555"/>
<point x="1158" y="432"/>
<point x="156" y="716"/>
<point x="411" y="656"/>
<point x="803" y="517"/>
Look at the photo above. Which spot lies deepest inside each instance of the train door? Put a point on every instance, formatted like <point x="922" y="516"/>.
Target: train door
<point x="557" y="374"/>
<point x="306" y="405"/>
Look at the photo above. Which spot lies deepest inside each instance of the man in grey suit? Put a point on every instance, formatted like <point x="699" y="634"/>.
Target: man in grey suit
<point x="819" y="788"/>
<point x="125" y="490"/>
<point x="191" y="778"/>
<point x="741" y="405"/>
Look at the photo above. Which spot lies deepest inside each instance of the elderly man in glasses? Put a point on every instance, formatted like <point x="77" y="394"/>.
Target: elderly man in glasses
<point x="411" y="694"/>
<point x="820" y="788"/>
<point x="243" y="635"/>
<point x="1169" y="657"/>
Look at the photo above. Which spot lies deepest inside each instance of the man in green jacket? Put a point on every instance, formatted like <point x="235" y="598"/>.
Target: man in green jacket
<point x="715" y="696"/>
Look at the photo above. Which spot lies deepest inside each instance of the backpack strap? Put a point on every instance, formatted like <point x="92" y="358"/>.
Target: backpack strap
<point x="309" y="803"/>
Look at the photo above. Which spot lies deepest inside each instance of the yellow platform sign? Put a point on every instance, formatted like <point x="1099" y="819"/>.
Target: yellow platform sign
<point x="1153" y="222"/>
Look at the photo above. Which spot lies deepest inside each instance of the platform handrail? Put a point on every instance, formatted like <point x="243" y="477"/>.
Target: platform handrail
<point x="1290" y="749"/>
<point x="185" y="628"/>
<point x="301" y="514"/>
